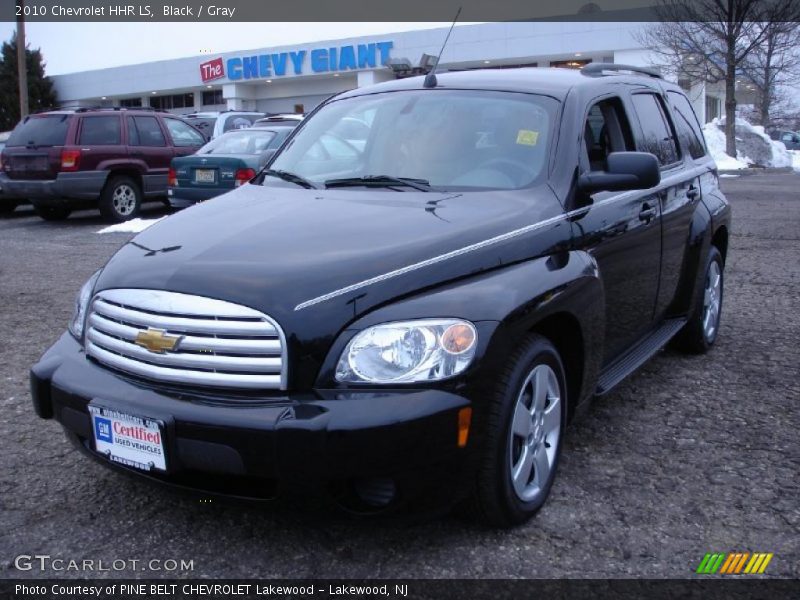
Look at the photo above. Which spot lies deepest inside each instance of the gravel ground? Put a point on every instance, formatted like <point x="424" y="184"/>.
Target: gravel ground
<point x="691" y="455"/>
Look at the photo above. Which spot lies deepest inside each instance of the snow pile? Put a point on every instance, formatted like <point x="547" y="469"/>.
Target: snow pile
<point x="795" y="154"/>
<point x="715" y="141"/>
<point x="132" y="226"/>
<point x="753" y="147"/>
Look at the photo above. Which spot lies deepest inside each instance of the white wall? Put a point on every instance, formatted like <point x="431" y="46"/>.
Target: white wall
<point x="469" y="45"/>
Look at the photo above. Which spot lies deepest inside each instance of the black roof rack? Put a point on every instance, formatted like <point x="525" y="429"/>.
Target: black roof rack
<point x="118" y="108"/>
<point x="600" y="69"/>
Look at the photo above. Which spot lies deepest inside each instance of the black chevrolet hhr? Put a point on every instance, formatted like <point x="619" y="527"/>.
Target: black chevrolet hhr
<point x="413" y="317"/>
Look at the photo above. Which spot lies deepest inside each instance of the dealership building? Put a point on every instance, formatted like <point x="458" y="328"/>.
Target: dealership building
<point x="297" y="78"/>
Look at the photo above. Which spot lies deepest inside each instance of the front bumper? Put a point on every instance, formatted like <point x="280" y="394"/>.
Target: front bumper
<point x="80" y="185"/>
<point x="182" y="197"/>
<point x="327" y="442"/>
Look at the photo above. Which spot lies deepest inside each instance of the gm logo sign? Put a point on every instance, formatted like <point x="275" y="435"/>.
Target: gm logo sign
<point x="102" y="430"/>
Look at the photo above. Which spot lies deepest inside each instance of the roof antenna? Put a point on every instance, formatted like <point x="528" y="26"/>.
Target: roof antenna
<point x="430" y="78"/>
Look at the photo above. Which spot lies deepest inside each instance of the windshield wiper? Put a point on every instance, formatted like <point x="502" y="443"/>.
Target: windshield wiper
<point x="290" y="177"/>
<point x="381" y="181"/>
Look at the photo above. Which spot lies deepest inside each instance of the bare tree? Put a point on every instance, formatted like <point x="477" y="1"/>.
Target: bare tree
<point x="772" y="66"/>
<point x="710" y="40"/>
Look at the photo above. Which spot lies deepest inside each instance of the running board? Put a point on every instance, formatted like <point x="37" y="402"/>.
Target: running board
<point x="637" y="355"/>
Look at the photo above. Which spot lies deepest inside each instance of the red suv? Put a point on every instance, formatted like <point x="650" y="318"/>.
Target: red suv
<point x="113" y="158"/>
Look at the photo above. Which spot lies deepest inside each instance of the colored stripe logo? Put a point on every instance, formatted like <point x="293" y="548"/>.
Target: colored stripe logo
<point x="734" y="563"/>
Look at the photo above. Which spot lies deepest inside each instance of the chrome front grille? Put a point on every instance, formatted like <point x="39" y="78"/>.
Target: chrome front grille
<point x="217" y="343"/>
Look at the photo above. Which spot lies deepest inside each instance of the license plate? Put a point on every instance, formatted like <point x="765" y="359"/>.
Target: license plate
<point x="129" y="440"/>
<point x="30" y="163"/>
<point x="204" y="175"/>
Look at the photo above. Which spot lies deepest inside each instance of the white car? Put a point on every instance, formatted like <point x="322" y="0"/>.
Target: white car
<point x="213" y="124"/>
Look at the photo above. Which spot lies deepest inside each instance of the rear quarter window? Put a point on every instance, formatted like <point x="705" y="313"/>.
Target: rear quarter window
<point x="687" y="125"/>
<point x="40" y="130"/>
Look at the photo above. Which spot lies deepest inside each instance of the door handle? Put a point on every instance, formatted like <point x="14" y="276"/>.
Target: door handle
<point x="693" y="192"/>
<point x="648" y="212"/>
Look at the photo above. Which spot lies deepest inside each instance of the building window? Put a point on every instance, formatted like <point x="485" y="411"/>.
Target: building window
<point x="212" y="97"/>
<point x="569" y="64"/>
<point x="130" y="102"/>
<point x="174" y="101"/>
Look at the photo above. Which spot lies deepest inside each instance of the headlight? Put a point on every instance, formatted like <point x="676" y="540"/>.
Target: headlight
<point x="81" y="304"/>
<point x="407" y="351"/>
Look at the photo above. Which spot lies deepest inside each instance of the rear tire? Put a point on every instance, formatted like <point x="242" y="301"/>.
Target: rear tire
<point x="7" y="207"/>
<point x="53" y="213"/>
<point x="525" y="426"/>
<point x="121" y="199"/>
<point x="702" y="329"/>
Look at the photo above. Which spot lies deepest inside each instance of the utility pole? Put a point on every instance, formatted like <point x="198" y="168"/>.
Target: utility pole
<point x="22" y="66"/>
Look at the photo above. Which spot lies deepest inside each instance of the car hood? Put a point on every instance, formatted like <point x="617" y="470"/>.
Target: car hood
<point x="289" y="252"/>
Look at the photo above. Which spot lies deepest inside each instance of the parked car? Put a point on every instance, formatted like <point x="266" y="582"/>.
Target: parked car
<point x="6" y="206"/>
<point x="790" y="139"/>
<point x="110" y="158"/>
<point x="414" y="323"/>
<point x="213" y="124"/>
<point x="223" y="164"/>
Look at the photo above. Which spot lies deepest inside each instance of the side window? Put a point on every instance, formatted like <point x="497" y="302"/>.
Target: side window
<point x="182" y="134"/>
<point x="606" y="130"/>
<point x="149" y="133"/>
<point x="101" y="131"/>
<point x="787" y="137"/>
<point x="688" y="127"/>
<point x="656" y="136"/>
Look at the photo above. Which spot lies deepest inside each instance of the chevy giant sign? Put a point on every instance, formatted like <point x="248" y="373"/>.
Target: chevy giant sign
<point x="321" y="60"/>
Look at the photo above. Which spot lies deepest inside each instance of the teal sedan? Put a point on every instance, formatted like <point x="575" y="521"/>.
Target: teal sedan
<point x="223" y="164"/>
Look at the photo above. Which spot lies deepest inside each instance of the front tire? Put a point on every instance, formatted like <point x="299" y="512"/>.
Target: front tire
<point x="526" y="421"/>
<point x="121" y="199"/>
<point x="53" y="213"/>
<point x="702" y="329"/>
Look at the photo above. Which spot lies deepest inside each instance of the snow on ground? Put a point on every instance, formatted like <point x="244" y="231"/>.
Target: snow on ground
<point x="715" y="140"/>
<point x="714" y="133"/>
<point x="132" y="226"/>
<point x="795" y="154"/>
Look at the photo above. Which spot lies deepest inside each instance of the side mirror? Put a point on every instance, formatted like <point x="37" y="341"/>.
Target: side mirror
<point x="624" y="171"/>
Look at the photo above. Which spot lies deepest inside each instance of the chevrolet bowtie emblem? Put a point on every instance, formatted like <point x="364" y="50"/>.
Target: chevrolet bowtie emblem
<point x="157" y="340"/>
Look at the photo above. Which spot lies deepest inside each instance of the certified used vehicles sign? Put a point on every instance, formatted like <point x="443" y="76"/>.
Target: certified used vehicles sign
<point x="130" y="440"/>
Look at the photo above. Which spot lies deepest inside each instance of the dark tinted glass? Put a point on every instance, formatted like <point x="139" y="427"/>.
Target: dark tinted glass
<point x="656" y="137"/>
<point x="149" y="132"/>
<point x="44" y="130"/>
<point x="687" y="125"/>
<point x="240" y="122"/>
<point x="101" y="131"/>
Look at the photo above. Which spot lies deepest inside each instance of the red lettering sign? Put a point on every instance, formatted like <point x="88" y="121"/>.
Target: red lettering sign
<point x="212" y="69"/>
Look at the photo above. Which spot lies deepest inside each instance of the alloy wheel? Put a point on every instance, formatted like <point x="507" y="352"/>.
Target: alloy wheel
<point x="535" y="429"/>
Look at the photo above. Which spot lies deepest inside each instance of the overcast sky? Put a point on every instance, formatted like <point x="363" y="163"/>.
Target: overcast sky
<point x="70" y="47"/>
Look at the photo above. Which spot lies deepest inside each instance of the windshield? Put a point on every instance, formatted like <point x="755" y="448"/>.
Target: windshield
<point x="241" y="142"/>
<point x="40" y="130"/>
<point x="449" y="139"/>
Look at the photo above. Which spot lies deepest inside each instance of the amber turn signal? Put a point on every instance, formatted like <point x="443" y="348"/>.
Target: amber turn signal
<point x="464" y="420"/>
<point x="458" y="338"/>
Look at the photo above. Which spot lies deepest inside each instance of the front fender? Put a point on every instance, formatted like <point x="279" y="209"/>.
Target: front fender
<point x="506" y="304"/>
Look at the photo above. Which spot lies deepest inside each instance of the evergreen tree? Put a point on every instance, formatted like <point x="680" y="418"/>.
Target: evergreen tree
<point x="40" y="88"/>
